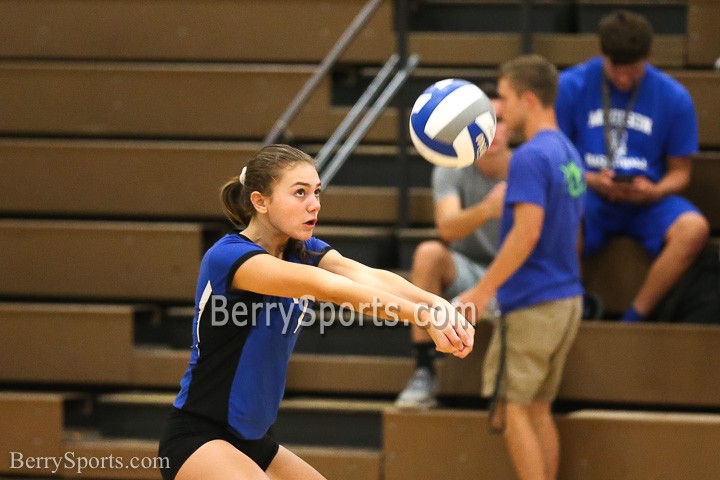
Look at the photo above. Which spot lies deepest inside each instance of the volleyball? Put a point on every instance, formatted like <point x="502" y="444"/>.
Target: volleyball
<point x="452" y="123"/>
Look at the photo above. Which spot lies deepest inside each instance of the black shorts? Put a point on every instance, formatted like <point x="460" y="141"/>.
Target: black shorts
<point x="185" y="432"/>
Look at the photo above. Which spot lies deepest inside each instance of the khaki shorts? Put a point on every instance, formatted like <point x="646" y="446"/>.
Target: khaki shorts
<point x="538" y="341"/>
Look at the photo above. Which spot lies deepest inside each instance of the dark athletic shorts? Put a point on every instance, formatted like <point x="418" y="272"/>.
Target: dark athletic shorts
<point x="647" y="224"/>
<point x="185" y="432"/>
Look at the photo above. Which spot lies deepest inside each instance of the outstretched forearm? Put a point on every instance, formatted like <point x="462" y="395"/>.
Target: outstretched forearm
<point x="387" y="281"/>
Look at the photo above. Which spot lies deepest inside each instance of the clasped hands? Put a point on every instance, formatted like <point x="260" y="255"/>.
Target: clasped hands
<point x="639" y="189"/>
<point x="450" y="330"/>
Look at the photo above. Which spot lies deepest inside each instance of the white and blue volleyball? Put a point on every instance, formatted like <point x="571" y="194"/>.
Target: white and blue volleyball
<point x="452" y="123"/>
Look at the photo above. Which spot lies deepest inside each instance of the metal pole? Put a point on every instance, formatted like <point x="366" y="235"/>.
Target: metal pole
<point x="348" y="36"/>
<point x="368" y="120"/>
<point x="364" y="100"/>
<point x="401" y="27"/>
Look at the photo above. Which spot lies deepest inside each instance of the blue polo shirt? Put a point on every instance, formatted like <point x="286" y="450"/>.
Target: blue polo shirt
<point x="545" y="171"/>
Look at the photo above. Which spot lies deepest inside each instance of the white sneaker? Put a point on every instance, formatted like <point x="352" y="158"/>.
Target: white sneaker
<point x="420" y="392"/>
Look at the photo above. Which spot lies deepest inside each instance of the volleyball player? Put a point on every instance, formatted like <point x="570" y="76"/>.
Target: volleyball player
<point x="252" y="294"/>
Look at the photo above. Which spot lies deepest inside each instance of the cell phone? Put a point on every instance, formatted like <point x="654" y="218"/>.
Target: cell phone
<point x="623" y="178"/>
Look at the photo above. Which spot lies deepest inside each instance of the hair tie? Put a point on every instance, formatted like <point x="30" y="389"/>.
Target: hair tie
<point x="242" y="175"/>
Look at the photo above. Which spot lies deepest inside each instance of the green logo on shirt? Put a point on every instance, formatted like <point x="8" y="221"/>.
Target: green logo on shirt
<point x="574" y="179"/>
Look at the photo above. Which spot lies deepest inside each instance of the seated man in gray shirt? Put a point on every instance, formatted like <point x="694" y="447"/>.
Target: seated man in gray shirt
<point x="468" y="206"/>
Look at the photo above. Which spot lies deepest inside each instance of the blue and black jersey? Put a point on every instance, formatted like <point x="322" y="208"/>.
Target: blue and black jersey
<point x="242" y="342"/>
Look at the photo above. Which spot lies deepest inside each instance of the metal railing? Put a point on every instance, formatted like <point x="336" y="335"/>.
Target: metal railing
<point x="368" y="96"/>
<point x="378" y="95"/>
<point x="323" y="68"/>
<point x="337" y="161"/>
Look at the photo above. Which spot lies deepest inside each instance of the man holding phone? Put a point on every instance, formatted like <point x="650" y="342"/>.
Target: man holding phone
<point x="636" y="130"/>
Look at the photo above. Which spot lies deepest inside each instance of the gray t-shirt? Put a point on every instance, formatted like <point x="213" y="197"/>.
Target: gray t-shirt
<point x="471" y="187"/>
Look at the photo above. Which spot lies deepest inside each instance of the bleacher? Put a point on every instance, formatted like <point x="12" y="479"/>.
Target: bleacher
<point x="119" y="121"/>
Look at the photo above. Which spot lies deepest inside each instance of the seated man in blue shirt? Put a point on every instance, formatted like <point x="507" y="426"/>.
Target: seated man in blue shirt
<point x="636" y="130"/>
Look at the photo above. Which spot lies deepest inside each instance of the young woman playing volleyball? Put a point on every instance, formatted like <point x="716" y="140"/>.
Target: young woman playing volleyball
<point x="261" y="279"/>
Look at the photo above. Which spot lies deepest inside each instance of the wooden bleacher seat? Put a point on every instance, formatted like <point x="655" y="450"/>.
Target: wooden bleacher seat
<point x="571" y="48"/>
<point x="162" y="100"/>
<point x="90" y="445"/>
<point x="443" y="444"/>
<point x="117" y="179"/>
<point x="355" y="423"/>
<point x="245" y="32"/>
<point x="595" y="444"/>
<point x="598" y="445"/>
<point x="703" y="188"/>
<point x="185" y="30"/>
<point x="372" y="246"/>
<point x="332" y="462"/>
<point x="342" y="463"/>
<point x="100" y="260"/>
<point x="348" y="374"/>
<point x="158" y="367"/>
<point x="704" y="86"/>
<point x="236" y="31"/>
<point x="346" y="442"/>
<point x="32" y="424"/>
<point x="66" y="343"/>
<point x="377" y="165"/>
<point x="650" y="364"/>
<point x="379" y="205"/>
<point x="703" y="34"/>
<point x="170" y="180"/>
<point x="616" y="273"/>
<point x="563" y="49"/>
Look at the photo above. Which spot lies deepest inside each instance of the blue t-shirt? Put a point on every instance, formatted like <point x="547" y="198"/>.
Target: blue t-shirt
<point x="662" y="123"/>
<point x="545" y="171"/>
<point x="242" y="342"/>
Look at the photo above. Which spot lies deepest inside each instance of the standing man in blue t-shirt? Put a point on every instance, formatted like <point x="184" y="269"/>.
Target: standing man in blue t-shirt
<point x="536" y="273"/>
<point x="636" y="129"/>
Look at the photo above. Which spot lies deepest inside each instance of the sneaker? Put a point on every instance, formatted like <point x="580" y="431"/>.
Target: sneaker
<point x="421" y="391"/>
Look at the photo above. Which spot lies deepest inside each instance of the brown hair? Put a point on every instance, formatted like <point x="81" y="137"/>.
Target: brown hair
<point x="625" y="37"/>
<point x="532" y="73"/>
<point x="260" y="175"/>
